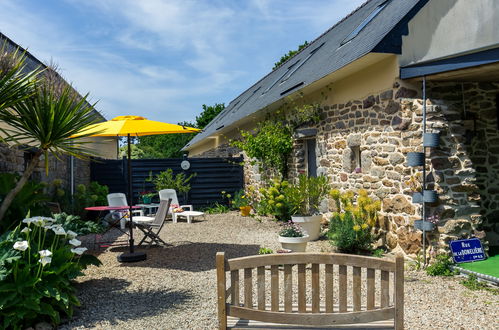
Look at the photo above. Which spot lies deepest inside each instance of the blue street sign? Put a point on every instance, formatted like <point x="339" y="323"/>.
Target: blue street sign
<point x="467" y="250"/>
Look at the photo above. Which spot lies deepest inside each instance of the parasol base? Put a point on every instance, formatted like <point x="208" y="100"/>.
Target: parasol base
<point x="132" y="257"/>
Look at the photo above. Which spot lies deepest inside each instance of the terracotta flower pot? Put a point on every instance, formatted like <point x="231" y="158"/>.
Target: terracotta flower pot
<point x="245" y="210"/>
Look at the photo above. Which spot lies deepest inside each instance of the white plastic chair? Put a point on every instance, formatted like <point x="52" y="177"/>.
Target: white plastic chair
<point x="119" y="199"/>
<point x="166" y="194"/>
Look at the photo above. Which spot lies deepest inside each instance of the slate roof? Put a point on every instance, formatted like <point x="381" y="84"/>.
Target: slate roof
<point x="31" y="62"/>
<point x="321" y="57"/>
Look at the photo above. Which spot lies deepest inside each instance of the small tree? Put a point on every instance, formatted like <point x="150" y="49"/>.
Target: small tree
<point x="270" y="145"/>
<point x="209" y="112"/>
<point x="48" y="123"/>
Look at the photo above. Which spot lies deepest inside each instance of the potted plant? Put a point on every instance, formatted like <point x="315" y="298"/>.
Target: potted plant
<point x="292" y="237"/>
<point x="146" y="196"/>
<point x="304" y="199"/>
<point x="240" y="202"/>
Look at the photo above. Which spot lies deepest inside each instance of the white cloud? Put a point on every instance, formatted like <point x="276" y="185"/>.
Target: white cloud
<point x="164" y="59"/>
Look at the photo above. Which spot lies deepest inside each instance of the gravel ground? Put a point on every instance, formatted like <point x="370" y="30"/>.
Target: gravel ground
<point x="175" y="288"/>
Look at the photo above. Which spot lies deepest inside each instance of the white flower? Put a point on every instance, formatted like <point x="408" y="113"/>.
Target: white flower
<point x="45" y="260"/>
<point x="79" y="251"/>
<point x="75" y="242"/>
<point x="44" y="253"/>
<point x="38" y="221"/>
<point x="71" y="234"/>
<point x="58" y="230"/>
<point x="21" y="246"/>
<point x="25" y="230"/>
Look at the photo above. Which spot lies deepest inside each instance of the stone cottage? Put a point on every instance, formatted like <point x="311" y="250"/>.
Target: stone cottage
<point x="372" y="74"/>
<point x="70" y="170"/>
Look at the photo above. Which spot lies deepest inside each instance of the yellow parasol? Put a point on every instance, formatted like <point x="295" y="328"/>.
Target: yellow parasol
<point x="133" y="126"/>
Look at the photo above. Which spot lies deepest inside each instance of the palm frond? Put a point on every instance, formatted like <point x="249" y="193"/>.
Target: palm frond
<point x="49" y="122"/>
<point x="15" y="83"/>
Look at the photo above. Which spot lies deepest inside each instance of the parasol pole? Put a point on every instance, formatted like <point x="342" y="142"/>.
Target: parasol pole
<point x="132" y="256"/>
<point x="130" y="192"/>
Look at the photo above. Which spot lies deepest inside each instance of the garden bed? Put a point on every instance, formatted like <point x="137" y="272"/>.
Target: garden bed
<point x="176" y="287"/>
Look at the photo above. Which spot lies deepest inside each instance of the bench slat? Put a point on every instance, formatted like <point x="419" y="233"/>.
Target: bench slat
<point x="329" y="288"/>
<point x="356" y="286"/>
<point x="385" y="295"/>
<point x="399" y="292"/>
<point x="302" y="284"/>
<point x="234" y="287"/>
<point x="288" y="288"/>
<point x="274" y="288"/>
<point x="248" y="287"/>
<point x="370" y="288"/>
<point x="342" y="289"/>
<point x="311" y="258"/>
<point x="311" y="319"/>
<point x="315" y="288"/>
<point x="261" y="287"/>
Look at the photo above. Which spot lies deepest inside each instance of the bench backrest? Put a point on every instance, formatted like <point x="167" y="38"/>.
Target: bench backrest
<point x="291" y="307"/>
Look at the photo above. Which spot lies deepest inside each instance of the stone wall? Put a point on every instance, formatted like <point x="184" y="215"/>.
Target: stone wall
<point x="472" y="149"/>
<point x="13" y="160"/>
<point x="362" y="144"/>
<point x="224" y="150"/>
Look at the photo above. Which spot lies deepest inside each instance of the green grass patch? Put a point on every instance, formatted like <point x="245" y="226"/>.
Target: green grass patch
<point x="490" y="266"/>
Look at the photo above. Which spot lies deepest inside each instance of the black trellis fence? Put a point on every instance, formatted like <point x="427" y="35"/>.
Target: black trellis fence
<point x="213" y="175"/>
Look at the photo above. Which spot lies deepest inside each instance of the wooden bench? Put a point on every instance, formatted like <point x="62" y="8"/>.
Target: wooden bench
<point x="360" y="307"/>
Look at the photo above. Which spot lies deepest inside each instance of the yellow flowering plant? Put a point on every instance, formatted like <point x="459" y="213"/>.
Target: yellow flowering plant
<point x="350" y="226"/>
<point x="274" y="201"/>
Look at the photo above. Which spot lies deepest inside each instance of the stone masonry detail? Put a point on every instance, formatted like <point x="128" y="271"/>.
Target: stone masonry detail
<point x="362" y="144"/>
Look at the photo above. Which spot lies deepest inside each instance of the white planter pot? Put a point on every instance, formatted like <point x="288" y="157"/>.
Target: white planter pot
<point x="296" y="244"/>
<point x="311" y="225"/>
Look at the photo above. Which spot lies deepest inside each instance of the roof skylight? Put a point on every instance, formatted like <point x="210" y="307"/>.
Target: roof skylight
<point x="280" y="77"/>
<point x="366" y="21"/>
<point x="301" y="64"/>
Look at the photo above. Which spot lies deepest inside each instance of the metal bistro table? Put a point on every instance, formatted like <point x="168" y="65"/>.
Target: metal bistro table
<point x="149" y="209"/>
<point x="112" y="224"/>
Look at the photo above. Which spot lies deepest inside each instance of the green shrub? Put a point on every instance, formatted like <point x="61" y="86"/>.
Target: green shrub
<point x="271" y="145"/>
<point x="217" y="208"/>
<point x="441" y="266"/>
<point x="38" y="260"/>
<point x="378" y="253"/>
<point x="74" y="223"/>
<point x="264" y="250"/>
<point x="166" y="180"/>
<point x="350" y="227"/>
<point x="273" y="201"/>
<point x="239" y="200"/>
<point x="30" y="199"/>
<point x="94" y="195"/>
<point x="472" y="283"/>
<point x="305" y="197"/>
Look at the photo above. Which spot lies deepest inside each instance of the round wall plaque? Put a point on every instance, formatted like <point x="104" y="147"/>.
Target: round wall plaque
<point x="185" y="165"/>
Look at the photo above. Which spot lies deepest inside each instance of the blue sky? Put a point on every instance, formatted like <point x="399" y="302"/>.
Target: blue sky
<point x="163" y="59"/>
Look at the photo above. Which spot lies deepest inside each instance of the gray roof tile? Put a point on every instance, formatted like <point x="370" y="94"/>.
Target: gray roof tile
<point x="328" y="58"/>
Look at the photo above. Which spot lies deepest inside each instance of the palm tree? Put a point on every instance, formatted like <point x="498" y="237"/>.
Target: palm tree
<point x="15" y="83"/>
<point x="47" y="121"/>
